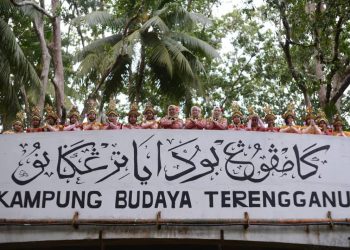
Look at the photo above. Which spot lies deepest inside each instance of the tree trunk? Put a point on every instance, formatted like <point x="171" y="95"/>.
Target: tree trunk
<point x="45" y="57"/>
<point x="58" y="80"/>
<point x="140" y="75"/>
<point x="26" y="103"/>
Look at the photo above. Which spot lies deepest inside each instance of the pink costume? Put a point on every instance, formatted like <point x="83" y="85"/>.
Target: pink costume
<point x="149" y="121"/>
<point x="217" y="122"/>
<point x="195" y="121"/>
<point x="74" y="124"/>
<point x="255" y="123"/>
<point x="236" y="118"/>
<point x="112" y="117"/>
<point x="171" y="121"/>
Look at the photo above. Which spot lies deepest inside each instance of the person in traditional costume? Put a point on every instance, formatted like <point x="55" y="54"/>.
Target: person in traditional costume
<point x="35" y="121"/>
<point x="132" y="118"/>
<point x="216" y="122"/>
<point x="338" y="126"/>
<point x="112" y="117"/>
<point x="310" y="124"/>
<point x="51" y="119"/>
<point x="149" y="121"/>
<point x="254" y="123"/>
<point x="270" y="120"/>
<point x="195" y="121"/>
<point x="236" y="118"/>
<point x="322" y="123"/>
<point x="17" y="124"/>
<point x="289" y="117"/>
<point x="91" y="124"/>
<point x="74" y="117"/>
<point x="171" y="120"/>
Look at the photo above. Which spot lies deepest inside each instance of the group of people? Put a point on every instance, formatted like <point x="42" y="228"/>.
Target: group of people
<point x="314" y="124"/>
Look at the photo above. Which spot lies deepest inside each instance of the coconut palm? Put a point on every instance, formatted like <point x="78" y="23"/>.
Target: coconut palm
<point x="152" y="45"/>
<point x="16" y="72"/>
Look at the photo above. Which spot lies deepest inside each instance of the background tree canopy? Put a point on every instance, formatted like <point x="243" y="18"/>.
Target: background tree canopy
<point x="179" y="52"/>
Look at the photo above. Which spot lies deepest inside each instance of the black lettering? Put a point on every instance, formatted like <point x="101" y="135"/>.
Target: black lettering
<point x="237" y="196"/>
<point x="96" y="203"/>
<point x="332" y="201"/>
<point x="2" y="194"/>
<point x="173" y="198"/>
<point x="225" y="196"/>
<point x="270" y="198"/>
<point x="58" y="200"/>
<point x="146" y="194"/>
<point x="120" y="199"/>
<point x="347" y="204"/>
<point x="47" y="196"/>
<point x="160" y="200"/>
<point x="32" y="202"/>
<point x="76" y="198"/>
<point x="137" y="202"/>
<point x="282" y="202"/>
<point x="211" y="197"/>
<point x="299" y="202"/>
<point x="17" y="199"/>
<point x="185" y="200"/>
<point x="252" y="199"/>
<point x="314" y="200"/>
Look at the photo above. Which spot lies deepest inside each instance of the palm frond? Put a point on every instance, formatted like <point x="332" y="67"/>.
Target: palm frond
<point x="177" y="13"/>
<point x="99" y="18"/>
<point x="89" y="63"/>
<point x="114" y="82"/>
<point x="176" y="51"/>
<point x="98" y="46"/>
<point x="6" y="5"/>
<point x="160" y="55"/>
<point x="12" y="51"/>
<point x="155" y="21"/>
<point x="195" y="43"/>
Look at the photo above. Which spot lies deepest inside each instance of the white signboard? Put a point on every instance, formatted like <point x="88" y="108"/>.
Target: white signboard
<point x="184" y="174"/>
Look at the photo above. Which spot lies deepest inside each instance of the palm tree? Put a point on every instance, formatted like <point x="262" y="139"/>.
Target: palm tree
<point x="16" y="72"/>
<point x="152" y="45"/>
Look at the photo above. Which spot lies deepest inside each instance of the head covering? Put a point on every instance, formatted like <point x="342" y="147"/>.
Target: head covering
<point x="91" y="108"/>
<point x="269" y="115"/>
<point x="35" y="113"/>
<point x="134" y="110"/>
<point x="177" y="110"/>
<point x="50" y="112"/>
<point x="321" y="116"/>
<point x="112" y="108"/>
<point x="309" y="114"/>
<point x="197" y="107"/>
<point x="337" y="121"/>
<point x="217" y="107"/>
<point x="252" y="114"/>
<point x="19" y="118"/>
<point x="149" y="107"/>
<point x="236" y="110"/>
<point x="289" y="111"/>
<point x="74" y="111"/>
